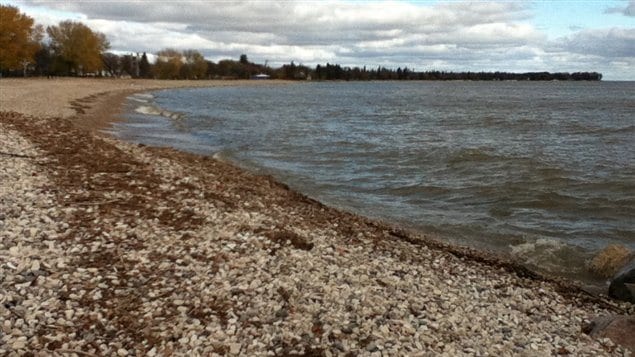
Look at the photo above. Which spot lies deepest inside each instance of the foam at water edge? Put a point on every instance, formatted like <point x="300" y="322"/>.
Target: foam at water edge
<point x="143" y="95"/>
<point x="222" y="155"/>
<point x="154" y="110"/>
<point x="148" y="110"/>
<point x="140" y="100"/>
<point x="550" y="255"/>
<point x="529" y="247"/>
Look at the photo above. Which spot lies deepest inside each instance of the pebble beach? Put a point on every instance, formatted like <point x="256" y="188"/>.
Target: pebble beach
<point x="113" y="248"/>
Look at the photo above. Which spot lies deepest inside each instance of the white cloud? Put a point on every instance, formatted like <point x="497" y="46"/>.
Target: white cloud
<point x="470" y="35"/>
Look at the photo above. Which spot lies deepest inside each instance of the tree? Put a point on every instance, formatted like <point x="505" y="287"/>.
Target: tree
<point x="44" y="60"/>
<point x="169" y="63"/>
<point x="112" y="64"/>
<point x="19" y="39"/>
<point x="129" y="65"/>
<point x="78" y="46"/>
<point x="212" y="70"/>
<point x="195" y="66"/>
<point x="145" y="70"/>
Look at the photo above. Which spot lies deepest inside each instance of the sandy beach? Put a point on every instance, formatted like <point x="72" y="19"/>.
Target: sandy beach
<point x="111" y="248"/>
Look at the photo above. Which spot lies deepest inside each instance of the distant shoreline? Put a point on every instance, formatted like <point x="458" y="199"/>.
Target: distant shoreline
<point x="355" y="74"/>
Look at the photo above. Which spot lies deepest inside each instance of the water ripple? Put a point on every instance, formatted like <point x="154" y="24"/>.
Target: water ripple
<point x="544" y="172"/>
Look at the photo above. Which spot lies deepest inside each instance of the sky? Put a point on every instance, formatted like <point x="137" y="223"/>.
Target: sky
<point x="513" y="35"/>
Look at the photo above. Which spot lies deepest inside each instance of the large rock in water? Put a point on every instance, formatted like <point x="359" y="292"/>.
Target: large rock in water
<point x="623" y="285"/>
<point x="619" y="328"/>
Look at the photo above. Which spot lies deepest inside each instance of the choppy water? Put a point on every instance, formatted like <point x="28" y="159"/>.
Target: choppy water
<point x="542" y="171"/>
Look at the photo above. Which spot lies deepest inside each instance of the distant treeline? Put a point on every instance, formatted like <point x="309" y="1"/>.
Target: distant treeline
<point x="73" y="49"/>
<point x="190" y="64"/>
<point x="336" y="72"/>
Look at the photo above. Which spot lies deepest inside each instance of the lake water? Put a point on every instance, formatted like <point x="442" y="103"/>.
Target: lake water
<point x="541" y="171"/>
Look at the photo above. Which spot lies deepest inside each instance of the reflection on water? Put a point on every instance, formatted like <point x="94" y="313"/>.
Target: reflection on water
<point x="543" y="171"/>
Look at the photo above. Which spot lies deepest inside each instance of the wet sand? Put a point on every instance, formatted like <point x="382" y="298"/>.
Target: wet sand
<point x="114" y="248"/>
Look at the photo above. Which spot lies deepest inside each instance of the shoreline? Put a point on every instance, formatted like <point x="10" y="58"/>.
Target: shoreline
<point x="100" y="111"/>
<point x="180" y="197"/>
<point x="111" y="106"/>
<point x="66" y="96"/>
<point x="596" y="287"/>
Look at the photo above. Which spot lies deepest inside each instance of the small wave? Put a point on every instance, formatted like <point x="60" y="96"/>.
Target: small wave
<point x="139" y="100"/>
<point x="551" y="256"/>
<point x="148" y="110"/>
<point x="541" y="244"/>
<point x="626" y="236"/>
<point x="550" y="200"/>
<point x="491" y="121"/>
<point x="471" y="155"/>
<point x="224" y="155"/>
<point x="154" y="110"/>
<point x="219" y="156"/>
<point x="579" y="129"/>
<point x="410" y="190"/>
<point x="144" y="95"/>
<point x="500" y="211"/>
<point x="141" y="97"/>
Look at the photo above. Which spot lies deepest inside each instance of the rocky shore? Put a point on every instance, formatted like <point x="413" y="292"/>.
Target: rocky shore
<point x="110" y="248"/>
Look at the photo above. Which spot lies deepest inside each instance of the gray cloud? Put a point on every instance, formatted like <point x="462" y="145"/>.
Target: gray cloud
<point x="608" y="43"/>
<point x="628" y="10"/>
<point x="471" y="35"/>
<point x="300" y="22"/>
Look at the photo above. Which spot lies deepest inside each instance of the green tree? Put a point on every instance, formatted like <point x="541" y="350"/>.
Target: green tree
<point x="44" y="60"/>
<point x="129" y="65"/>
<point x="145" y="69"/>
<point x="19" y="39"/>
<point x="78" y="46"/>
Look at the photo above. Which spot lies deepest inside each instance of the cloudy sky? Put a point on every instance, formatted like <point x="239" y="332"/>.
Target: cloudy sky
<point x="515" y="36"/>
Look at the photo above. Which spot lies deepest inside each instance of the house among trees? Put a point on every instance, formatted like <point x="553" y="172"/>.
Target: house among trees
<point x="261" y="76"/>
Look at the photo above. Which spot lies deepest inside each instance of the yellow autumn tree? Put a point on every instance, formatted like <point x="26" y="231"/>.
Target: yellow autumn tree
<point x="78" y="46"/>
<point x="169" y="63"/>
<point x="19" y="38"/>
